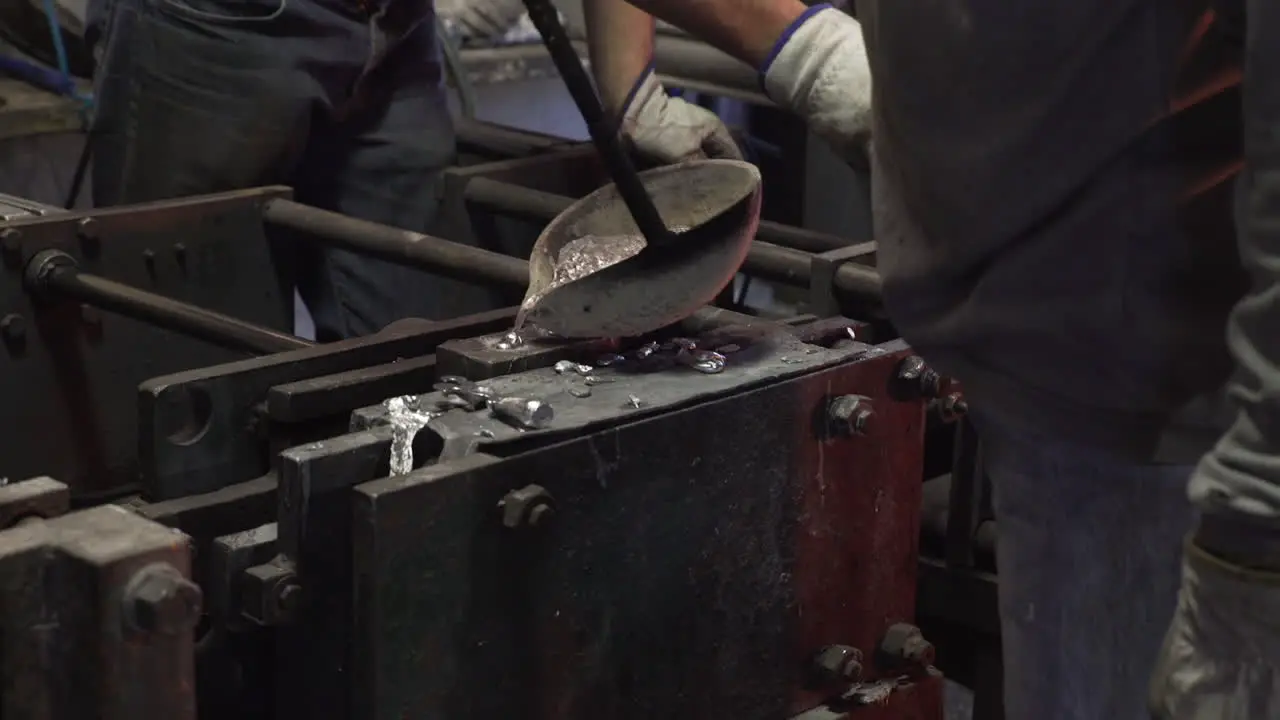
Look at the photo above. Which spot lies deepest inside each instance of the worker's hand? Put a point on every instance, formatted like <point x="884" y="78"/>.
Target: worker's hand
<point x="670" y="130"/>
<point x="819" y="71"/>
<point x="1221" y="657"/>
<point x="479" y="19"/>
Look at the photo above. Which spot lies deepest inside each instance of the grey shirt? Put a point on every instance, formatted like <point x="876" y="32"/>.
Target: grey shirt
<point x="1050" y="230"/>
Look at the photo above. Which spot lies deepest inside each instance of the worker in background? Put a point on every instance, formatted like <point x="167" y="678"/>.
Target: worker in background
<point x="1049" y="206"/>
<point x="341" y="99"/>
<point x="1221" y="658"/>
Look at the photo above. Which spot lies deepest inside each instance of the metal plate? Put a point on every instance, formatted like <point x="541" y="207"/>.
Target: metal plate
<point x="69" y="650"/>
<point x="696" y="559"/>
<point x="69" y="382"/>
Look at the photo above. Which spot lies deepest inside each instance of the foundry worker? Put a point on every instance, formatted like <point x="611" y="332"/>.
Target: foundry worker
<point x="1221" y="659"/>
<point x="1030" y="168"/>
<point x="340" y="99"/>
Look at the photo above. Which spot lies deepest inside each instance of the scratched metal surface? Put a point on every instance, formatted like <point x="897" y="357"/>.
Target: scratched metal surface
<point x="701" y="548"/>
<point x="767" y="354"/>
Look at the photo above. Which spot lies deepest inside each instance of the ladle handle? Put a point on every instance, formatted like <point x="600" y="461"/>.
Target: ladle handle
<point x="603" y="129"/>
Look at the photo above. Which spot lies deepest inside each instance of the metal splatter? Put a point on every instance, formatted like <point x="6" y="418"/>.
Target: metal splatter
<point x="728" y="349"/>
<point x="597" y="380"/>
<point x="634" y="402"/>
<point x="684" y="344"/>
<point x="580" y="392"/>
<point x="569" y="366"/>
<point x="704" y="361"/>
<point x="792" y="360"/>
<point x="460" y="392"/>
<point x="645" y="351"/>
<point x="486" y="433"/>
<point x="523" y="413"/>
<point x="608" y="360"/>
<point x="509" y="341"/>
<point x="406" y="418"/>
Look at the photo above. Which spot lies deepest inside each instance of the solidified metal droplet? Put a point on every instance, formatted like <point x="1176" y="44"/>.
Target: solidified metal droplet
<point x="644" y="351"/>
<point x="510" y="341"/>
<point x="635" y="402"/>
<point x="597" y="380"/>
<point x="523" y="412"/>
<point x="580" y="392"/>
<point x="566" y="366"/>
<point x="728" y="349"/>
<point x="607" y="360"/>
<point x="707" y="362"/>
<point x="792" y="360"/>
<point x="685" y="344"/>
<point x="486" y="433"/>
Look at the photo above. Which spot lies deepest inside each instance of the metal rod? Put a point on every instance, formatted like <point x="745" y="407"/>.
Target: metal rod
<point x="766" y="260"/>
<point x="516" y="201"/>
<point x="399" y="246"/>
<point x="57" y="274"/>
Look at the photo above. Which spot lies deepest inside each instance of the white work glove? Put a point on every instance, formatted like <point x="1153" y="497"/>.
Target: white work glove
<point x="479" y="19"/>
<point x="819" y="71"/>
<point x="1221" y="657"/>
<point x="670" y="130"/>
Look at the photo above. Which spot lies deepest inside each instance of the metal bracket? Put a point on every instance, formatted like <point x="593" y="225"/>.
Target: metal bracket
<point x="822" y="276"/>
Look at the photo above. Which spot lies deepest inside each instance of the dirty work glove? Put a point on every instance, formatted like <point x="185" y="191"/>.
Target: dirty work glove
<point x="818" y="70"/>
<point x="1221" y="657"/>
<point x="670" y="130"/>
<point x="479" y="19"/>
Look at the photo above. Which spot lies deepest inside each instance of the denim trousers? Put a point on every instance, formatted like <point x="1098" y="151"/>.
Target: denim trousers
<point x="347" y="108"/>
<point x="1089" y="560"/>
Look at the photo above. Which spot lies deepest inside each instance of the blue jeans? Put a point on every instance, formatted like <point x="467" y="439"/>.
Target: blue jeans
<point x="199" y="96"/>
<point x="1088" y="556"/>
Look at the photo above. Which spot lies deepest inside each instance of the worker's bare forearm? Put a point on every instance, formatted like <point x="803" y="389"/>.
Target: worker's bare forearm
<point x="620" y="33"/>
<point x="746" y="29"/>
<point x="620" y="41"/>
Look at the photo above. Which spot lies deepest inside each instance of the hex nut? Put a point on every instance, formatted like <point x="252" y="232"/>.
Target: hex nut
<point x="530" y="506"/>
<point x="916" y="379"/>
<point x="270" y="594"/>
<point x="851" y="414"/>
<point x="904" y="646"/>
<point x="159" y="599"/>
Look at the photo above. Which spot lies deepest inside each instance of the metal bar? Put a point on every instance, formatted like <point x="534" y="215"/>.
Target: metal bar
<point x="529" y="204"/>
<point x="398" y="246"/>
<point x="767" y="260"/>
<point x="57" y="273"/>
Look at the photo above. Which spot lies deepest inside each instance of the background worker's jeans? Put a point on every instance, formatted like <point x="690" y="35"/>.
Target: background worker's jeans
<point x="198" y="96"/>
<point x="1088" y="557"/>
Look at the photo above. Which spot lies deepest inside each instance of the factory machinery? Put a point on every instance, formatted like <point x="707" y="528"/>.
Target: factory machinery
<point x="206" y="515"/>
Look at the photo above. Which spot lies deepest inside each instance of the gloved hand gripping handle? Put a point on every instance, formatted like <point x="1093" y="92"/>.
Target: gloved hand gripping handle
<point x="603" y="129"/>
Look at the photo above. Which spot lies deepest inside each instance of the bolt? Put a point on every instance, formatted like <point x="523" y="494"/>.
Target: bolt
<point x="851" y="414"/>
<point x="89" y="233"/>
<point x="529" y="506"/>
<point x="904" y="646"/>
<point x="160" y="600"/>
<point x="918" y="380"/>
<point x="11" y="240"/>
<point x="288" y="596"/>
<point x="953" y="407"/>
<point x="14" y="328"/>
<point x="836" y="664"/>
